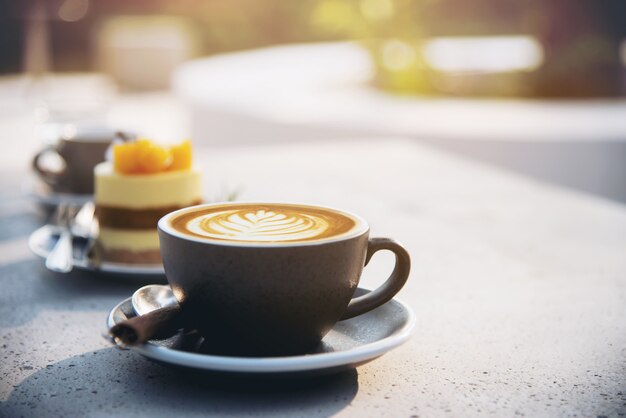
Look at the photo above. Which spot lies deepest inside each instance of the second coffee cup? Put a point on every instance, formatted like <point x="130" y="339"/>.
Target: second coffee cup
<point x="80" y="151"/>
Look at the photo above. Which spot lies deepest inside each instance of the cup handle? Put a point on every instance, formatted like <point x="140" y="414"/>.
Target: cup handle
<point x="51" y="178"/>
<point x="392" y="285"/>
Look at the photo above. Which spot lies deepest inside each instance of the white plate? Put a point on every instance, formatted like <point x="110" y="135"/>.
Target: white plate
<point x="43" y="239"/>
<point x="349" y="344"/>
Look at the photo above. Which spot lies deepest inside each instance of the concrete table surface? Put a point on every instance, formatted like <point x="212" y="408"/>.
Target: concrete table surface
<point x="519" y="290"/>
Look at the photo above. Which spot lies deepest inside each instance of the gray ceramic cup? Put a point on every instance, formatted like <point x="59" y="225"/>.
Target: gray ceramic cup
<point x="256" y="299"/>
<point x="80" y="151"/>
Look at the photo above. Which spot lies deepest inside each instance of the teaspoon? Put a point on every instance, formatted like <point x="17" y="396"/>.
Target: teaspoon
<point x="152" y="297"/>
<point x="158" y="314"/>
<point x="60" y="258"/>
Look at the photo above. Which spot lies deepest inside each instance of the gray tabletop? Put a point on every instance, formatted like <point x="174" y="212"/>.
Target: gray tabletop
<point x="519" y="289"/>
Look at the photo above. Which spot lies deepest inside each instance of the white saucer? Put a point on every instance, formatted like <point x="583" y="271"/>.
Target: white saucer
<point x="349" y="344"/>
<point x="43" y="239"/>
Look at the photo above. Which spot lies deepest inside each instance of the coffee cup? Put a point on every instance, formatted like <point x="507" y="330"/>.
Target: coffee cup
<point x="80" y="149"/>
<point x="268" y="279"/>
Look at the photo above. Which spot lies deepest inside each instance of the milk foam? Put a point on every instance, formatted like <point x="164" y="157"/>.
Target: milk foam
<point x="271" y="224"/>
<point x="248" y="224"/>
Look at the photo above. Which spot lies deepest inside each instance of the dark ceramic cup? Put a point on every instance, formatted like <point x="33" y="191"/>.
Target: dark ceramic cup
<point x="81" y="151"/>
<point x="259" y="299"/>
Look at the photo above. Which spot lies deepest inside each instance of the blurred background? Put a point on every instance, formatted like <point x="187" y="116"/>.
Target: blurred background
<point x="536" y="87"/>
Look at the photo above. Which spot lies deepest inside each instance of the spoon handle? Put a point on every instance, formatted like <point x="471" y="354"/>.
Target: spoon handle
<point x="60" y="259"/>
<point x="158" y="323"/>
<point x="83" y="223"/>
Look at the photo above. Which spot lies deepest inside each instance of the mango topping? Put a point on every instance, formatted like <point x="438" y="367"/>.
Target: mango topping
<point x="181" y="156"/>
<point x="124" y="159"/>
<point x="145" y="157"/>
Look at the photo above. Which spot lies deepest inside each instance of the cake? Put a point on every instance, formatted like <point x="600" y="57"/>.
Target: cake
<point x="142" y="183"/>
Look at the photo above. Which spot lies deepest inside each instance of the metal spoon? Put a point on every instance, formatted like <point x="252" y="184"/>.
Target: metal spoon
<point x="84" y="225"/>
<point x="152" y="297"/>
<point x="158" y="315"/>
<point x="60" y="259"/>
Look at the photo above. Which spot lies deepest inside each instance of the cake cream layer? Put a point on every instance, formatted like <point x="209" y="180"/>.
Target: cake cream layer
<point x="129" y="239"/>
<point x="142" y="191"/>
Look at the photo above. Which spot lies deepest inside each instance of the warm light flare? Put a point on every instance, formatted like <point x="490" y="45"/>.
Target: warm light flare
<point x="484" y="54"/>
<point x="377" y="9"/>
<point x="398" y="55"/>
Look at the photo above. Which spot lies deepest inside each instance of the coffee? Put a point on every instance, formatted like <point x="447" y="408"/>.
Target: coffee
<point x="265" y="223"/>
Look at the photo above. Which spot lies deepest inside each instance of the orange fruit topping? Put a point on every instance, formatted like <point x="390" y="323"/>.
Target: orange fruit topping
<point x="146" y="157"/>
<point x="181" y="156"/>
<point x="124" y="158"/>
<point x="152" y="158"/>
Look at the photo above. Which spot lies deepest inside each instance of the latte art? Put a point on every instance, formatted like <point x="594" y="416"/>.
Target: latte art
<point x="260" y="225"/>
<point x="263" y="223"/>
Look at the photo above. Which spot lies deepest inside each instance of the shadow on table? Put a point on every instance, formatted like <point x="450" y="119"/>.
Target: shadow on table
<point x="121" y="383"/>
<point x="28" y="287"/>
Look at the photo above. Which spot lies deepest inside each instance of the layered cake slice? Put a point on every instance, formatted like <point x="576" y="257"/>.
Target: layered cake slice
<point x="143" y="183"/>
